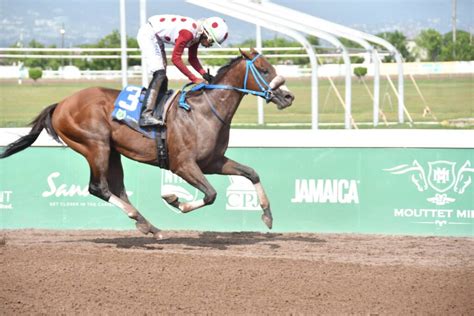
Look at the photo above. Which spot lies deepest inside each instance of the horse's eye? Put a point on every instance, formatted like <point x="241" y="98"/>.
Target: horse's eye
<point x="265" y="71"/>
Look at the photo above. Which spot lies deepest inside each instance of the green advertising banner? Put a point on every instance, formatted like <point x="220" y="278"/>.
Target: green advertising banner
<point x="343" y="190"/>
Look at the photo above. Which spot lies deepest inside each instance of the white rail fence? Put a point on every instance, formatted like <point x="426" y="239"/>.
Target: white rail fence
<point x="288" y="70"/>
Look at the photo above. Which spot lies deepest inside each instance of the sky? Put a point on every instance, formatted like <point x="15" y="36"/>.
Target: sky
<point x="85" y="21"/>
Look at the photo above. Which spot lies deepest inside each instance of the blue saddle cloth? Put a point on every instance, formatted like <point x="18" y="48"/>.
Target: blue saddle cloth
<point x="128" y="109"/>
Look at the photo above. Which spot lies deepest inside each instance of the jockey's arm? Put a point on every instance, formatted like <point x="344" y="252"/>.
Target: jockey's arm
<point x="193" y="59"/>
<point x="183" y="38"/>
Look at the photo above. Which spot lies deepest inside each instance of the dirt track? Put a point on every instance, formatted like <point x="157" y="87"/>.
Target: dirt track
<point x="110" y="272"/>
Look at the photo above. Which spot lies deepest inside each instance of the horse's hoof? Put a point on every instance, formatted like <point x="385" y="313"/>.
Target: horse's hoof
<point x="268" y="220"/>
<point x="143" y="227"/>
<point x="170" y="199"/>
<point x="159" y="235"/>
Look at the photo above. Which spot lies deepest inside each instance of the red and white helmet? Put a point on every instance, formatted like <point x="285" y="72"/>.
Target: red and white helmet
<point x="216" y="29"/>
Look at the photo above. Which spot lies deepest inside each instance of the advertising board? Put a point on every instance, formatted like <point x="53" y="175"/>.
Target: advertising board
<point x="343" y="190"/>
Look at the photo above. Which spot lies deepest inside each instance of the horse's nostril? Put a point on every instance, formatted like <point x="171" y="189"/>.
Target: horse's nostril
<point x="289" y="96"/>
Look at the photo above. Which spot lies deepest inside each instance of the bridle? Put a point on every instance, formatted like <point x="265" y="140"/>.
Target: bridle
<point x="264" y="92"/>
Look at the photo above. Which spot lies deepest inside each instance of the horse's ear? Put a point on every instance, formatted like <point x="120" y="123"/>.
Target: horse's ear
<point x="254" y="51"/>
<point x="246" y="55"/>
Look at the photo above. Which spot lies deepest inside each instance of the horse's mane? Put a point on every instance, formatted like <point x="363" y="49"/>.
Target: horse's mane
<point x="220" y="73"/>
<point x="223" y="70"/>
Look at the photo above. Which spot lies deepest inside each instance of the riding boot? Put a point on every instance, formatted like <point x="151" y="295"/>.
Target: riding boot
<point x="151" y="96"/>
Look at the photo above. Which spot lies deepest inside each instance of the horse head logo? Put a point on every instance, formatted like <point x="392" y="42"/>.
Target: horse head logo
<point x="417" y="174"/>
<point x="463" y="179"/>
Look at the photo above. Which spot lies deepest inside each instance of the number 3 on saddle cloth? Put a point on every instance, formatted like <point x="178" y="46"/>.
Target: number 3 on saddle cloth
<point x="128" y="108"/>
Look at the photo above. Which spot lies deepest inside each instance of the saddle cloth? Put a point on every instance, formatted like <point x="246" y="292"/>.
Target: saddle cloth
<point x="128" y="108"/>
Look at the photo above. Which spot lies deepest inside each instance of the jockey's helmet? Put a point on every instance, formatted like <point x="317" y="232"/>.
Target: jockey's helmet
<point x="215" y="29"/>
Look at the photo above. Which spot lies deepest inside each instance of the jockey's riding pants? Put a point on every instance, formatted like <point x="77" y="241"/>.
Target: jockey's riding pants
<point x="152" y="47"/>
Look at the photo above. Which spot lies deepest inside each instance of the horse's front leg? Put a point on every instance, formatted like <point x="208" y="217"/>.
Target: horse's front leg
<point x="194" y="176"/>
<point x="228" y="166"/>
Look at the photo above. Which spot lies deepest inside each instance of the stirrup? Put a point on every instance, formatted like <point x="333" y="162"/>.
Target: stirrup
<point x="149" y="120"/>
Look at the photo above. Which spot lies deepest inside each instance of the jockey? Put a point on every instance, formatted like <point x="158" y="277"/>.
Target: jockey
<point x="181" y="32"/>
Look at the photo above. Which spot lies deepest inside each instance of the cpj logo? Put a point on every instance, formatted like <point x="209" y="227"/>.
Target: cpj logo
<point x="241" y="195"/>
<point x="444" y="183"/>
<point x="5" y="200"/>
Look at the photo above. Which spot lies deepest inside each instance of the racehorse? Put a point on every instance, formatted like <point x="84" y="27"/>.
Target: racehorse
<point x="197" y="139"/>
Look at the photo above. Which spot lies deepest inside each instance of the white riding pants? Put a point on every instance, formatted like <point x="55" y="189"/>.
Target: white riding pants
<point x="152" y="47"/>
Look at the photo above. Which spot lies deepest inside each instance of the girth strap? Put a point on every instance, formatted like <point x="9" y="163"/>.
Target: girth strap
<point x="163" y="158"/>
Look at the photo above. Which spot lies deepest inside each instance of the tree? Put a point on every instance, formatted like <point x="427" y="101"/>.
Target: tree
<point x="313" y="40"/>
<point x="111" y="40"/>
<point x="360" y="72"/>
<point x="432" y="41"/>
<point x="399" y="40"/>
<point x="35" y="73"/>
<point x="463" y="49"/>
<point x="275" y="42"/>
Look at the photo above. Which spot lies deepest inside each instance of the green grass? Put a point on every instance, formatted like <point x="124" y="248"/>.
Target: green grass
<point x="448" y="98"/>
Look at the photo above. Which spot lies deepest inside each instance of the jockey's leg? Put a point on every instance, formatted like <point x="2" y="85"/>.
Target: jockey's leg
<point x="194" y="176"/>
<point x="153" y="52"/>
<point x="159" y="79"/>
<point x="228" y="166"/>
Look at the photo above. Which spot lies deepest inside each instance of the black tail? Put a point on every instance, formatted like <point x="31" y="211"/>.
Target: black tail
<point x="42" y="121"/>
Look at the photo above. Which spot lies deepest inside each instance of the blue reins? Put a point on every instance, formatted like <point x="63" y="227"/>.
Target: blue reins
<point x="265" y="90"/>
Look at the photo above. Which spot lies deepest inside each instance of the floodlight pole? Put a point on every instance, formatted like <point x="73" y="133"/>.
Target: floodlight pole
<point x="123" y="43"/>
<point x="258" y="39"/>
<point x="143" y="19"/>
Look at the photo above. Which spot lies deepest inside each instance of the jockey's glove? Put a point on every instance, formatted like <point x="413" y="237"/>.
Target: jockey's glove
<point x="208" y="77"/>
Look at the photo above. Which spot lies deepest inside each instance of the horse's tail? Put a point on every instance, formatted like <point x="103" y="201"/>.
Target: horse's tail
<point x="42" y="121"/>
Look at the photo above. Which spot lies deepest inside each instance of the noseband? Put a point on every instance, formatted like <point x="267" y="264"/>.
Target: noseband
<point x="264" y="92"/>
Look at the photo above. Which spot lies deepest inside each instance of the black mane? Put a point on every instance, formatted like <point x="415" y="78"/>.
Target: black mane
<point x="223" y="70"/>
<point x="220" y="73"/>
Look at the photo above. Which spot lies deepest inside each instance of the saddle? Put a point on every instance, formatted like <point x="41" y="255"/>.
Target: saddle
<point x="128" y="108"/>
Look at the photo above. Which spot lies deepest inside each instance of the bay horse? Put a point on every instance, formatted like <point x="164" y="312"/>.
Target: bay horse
<point x="197" y="139"/>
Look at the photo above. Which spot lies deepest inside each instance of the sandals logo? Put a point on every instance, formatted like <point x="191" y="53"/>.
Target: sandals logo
<point x="5" y="200"/>
<point x="63" y="194"/>
<point x="441" y="177"/>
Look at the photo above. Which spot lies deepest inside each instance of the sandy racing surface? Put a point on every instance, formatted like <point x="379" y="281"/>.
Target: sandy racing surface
<point x="125" y="273"/>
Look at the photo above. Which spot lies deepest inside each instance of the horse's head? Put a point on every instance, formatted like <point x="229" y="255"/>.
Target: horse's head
<point x="263" y="77"/>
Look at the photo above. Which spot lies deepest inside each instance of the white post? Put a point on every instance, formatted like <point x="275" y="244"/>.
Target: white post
<point x="143" y="19"/>
<point x="401" y="93"/>
<point x="123" y="43"/>
<point x="376" y="62"/>
<point x="258" y="39"/>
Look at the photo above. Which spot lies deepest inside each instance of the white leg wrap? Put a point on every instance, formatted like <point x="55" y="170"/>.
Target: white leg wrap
<point x="261" y="195"/>
<point x="127" y="208"/>
<point x="187" y="207"/>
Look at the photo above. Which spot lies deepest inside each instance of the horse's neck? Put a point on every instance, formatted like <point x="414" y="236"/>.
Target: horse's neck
<point x="227" y="101"/>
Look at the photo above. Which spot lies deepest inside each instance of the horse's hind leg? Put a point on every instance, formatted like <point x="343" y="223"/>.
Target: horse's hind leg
<point x="119" y="196"/>
<point x="228" y="166"/>
<point x="194" y="176"/>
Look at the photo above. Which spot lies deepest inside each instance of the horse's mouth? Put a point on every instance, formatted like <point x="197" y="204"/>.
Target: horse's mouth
<point x="282" y="98"/>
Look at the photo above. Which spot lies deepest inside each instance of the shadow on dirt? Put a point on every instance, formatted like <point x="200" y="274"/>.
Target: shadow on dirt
<point x="210" y="240"/>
